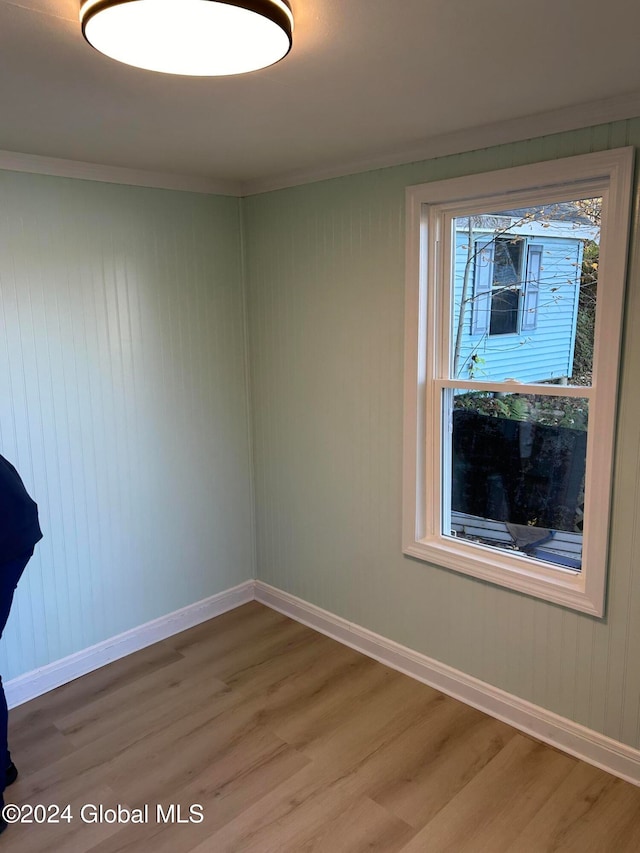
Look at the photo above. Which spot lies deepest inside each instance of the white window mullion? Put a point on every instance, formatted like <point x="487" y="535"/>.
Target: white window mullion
<point x="510" y="387"/>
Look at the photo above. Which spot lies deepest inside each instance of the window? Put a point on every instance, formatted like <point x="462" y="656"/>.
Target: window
<point x="515" y="286"/>
<point x="506" y="285"/>
<point x="498" y="283"/>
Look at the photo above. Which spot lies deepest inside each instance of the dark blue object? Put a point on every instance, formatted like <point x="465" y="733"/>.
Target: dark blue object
<point x="19" y="527"/>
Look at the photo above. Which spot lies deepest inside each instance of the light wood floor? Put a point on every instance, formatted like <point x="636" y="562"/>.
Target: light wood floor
<point x="292" y="742"/>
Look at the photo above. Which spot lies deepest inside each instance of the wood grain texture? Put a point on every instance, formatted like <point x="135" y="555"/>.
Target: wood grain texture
<point x="292" y="742"/>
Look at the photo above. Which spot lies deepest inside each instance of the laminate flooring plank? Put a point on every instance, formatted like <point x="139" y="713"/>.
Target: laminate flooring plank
<point x="283" y="663"/>
<point x="136" y="739"/>
<point x="224" y="788"/>
<point x="187" y="680"/>
<point x="161" y="735"/>
<point x="387" y="705"/>
<point x="228" y="661"/>
<point x="157" y="699"/>
<point x="235" y="627"/>
<point x="412" y="773"/>
<point x="226" y="781"/>
<point x="322" y="817"/>
<point x="415" y="775"/>
<point x="44" y="710"/>
<point x="494" y="807"/>
<point x="329" y="695"/>
<point x="592" y="812"/>
<point x="139" y="727"/>
<point x="173" y="762"/>
<point x="363" y="826"/>
<point x="292" y="742"/>
<point x="38" y="749"/>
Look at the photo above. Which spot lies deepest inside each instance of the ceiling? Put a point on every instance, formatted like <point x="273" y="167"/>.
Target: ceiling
<point x="366" y="80"/>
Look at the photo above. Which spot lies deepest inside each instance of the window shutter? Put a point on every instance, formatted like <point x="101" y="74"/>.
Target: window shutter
<point x="532" y="289"/>
<point x="481" y="314"/>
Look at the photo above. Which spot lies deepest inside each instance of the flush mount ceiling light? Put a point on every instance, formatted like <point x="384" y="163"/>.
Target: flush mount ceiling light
<point x="202" y="38"/>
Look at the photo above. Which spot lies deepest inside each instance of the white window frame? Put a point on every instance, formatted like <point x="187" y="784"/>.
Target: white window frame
<point x="608" y="174"/>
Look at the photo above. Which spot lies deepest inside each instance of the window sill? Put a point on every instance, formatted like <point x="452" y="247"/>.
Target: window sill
<point x="561" y="586"/>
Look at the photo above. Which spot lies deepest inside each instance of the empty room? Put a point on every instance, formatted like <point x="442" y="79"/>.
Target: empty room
<point x="319" y="426"/>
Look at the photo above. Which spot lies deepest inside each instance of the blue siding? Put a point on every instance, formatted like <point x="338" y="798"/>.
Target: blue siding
<point x="544" y="352"/>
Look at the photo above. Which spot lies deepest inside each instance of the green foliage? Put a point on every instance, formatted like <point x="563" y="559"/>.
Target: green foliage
<point x="513" y="407"/>
<point x="475" y="367"/>
<point x="568" y="412"/>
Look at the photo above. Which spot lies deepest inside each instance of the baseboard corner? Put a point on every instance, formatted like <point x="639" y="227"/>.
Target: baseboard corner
<point x="42" y="680"/>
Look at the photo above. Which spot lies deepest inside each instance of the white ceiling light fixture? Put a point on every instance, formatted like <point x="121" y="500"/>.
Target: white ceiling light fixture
<point x="200" y="38"/>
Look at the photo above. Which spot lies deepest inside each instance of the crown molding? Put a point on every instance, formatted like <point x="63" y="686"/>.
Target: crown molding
<point x="14" y="161"/>
<point x="575" y="117"/>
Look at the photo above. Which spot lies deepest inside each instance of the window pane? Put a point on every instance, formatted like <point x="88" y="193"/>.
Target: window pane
<point x="504" y="311"/>
<point x="515" y="473"/>
<point x="524" y="287"/>
<point x="507" y="261"/>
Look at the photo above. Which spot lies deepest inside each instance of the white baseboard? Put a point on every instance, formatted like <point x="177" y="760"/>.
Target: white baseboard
<point x="590" y="746"/>
<point x="39" y="681"/>
<point x="597" y="749"/>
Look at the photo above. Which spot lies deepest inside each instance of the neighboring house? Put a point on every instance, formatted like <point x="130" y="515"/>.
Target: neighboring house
<point x="523" y="282"/>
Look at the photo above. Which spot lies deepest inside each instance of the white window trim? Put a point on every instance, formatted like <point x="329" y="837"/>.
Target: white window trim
<point x="608" y="174"/>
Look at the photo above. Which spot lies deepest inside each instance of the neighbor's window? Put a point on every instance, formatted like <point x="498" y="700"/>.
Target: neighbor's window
<point x="514" y="304"/>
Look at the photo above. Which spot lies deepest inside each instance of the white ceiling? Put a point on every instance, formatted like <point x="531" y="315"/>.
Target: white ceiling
<point x="366" y="80"/>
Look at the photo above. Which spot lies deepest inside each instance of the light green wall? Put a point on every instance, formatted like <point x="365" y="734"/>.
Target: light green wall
<point x="325" y="267"/>
<point x="123" y="404"/>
